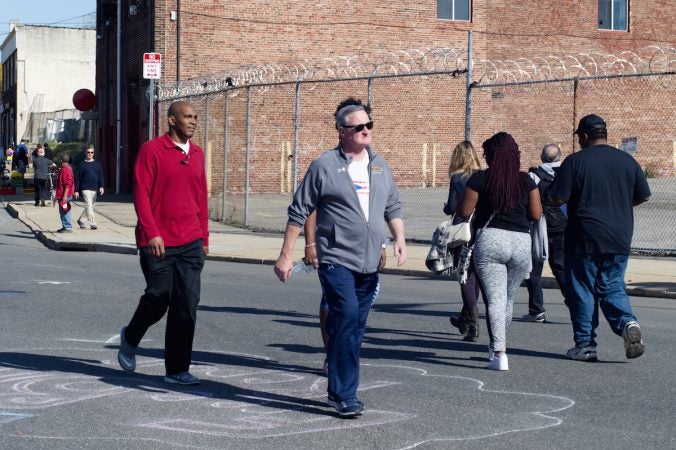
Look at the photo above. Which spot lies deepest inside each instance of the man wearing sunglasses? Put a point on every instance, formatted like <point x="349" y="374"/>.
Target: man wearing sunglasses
<point x="88" y="183"/>
<point x="354" y="194"/>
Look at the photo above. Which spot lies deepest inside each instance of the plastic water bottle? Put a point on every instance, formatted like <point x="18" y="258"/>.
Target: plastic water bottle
<point x="301" y="266"/>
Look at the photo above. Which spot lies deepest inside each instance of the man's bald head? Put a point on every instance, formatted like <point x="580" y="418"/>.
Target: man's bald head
<point x="550" y="153"/>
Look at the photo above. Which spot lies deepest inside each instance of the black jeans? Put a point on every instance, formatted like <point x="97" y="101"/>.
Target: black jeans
<point x="173" y="283"/>
<point x="557" y="257"/>
<point x="534" y="284"/>
<point x="41" y="191"/>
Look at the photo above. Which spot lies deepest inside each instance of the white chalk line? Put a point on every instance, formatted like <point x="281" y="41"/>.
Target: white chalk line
<point x="480" y="386"/>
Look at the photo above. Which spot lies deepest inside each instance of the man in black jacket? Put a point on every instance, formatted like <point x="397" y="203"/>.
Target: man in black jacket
<point x="88" y="182"/>
<point x="556" y="220"/>
<point x="41" y="167"/>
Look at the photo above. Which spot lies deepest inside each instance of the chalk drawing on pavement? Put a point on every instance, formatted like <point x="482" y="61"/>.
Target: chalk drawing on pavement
<point x="247" y="396"/>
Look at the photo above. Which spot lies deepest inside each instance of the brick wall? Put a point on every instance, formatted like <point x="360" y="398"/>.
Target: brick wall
<point x="419" y="119"/>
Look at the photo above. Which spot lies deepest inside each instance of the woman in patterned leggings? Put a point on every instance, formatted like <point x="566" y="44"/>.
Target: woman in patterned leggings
<point x="506" y="200"/>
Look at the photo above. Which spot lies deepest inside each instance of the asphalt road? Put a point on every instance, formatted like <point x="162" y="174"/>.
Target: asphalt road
<point x="258" y="351"/>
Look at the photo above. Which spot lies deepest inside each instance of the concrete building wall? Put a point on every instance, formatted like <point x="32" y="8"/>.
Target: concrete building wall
<point x="52" y="63"/>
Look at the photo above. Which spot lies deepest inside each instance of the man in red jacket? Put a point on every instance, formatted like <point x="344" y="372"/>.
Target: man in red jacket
<point x="65" y="186"/>
<point x="170" y="197"/>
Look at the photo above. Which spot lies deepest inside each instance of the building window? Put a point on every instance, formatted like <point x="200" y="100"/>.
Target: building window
<point x="614" y="15"/>
<point x="454" y="9"/>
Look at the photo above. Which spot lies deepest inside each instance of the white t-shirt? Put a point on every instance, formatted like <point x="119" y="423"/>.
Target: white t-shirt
<point x="185" y="147"/>
<point x="359" y="171"/>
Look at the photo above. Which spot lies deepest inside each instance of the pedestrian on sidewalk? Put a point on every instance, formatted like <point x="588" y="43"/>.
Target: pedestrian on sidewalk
<point x="354" y="193"/>
<point x="88" y="182"/>
<point x="41" y="166"/>
<point x="65" y="187"/>
<point x="601" y="186"/>
<point x="504" y="201"/>
<point x="170" y="197"/>
<point x="464" y="162"/>
<point x="555" y="223"/>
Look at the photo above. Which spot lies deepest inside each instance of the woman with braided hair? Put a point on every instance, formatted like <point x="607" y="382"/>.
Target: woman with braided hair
<point x="504" y="200"/>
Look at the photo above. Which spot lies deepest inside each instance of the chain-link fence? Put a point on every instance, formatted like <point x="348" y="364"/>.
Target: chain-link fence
<point x="260" y="138"/>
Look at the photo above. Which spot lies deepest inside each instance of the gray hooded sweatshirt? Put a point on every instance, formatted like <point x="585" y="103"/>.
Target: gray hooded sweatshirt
<point x="344" y="237"/>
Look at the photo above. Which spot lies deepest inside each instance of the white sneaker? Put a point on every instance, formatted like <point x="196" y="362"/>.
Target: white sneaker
<point x="499" y="362"/>
<point x="633" y="343"/>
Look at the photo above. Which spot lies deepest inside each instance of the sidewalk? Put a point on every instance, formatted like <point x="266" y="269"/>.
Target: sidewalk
<point x="646" y="276"/>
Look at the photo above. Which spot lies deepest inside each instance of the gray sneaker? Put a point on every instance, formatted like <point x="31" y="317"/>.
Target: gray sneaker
<point x="539" y="318"/>
<point x="583" y="354"/>
<point x="184" y="378"/>
<point x="126" y="355"/>
<point x="633" y="343"/>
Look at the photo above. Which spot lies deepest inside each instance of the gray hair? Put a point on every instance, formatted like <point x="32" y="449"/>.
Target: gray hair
<point x="345" y="111"/>
<point x="550" y="153"/>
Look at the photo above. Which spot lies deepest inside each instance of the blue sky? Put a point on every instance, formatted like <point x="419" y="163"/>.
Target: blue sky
<point x="45" y="12"/>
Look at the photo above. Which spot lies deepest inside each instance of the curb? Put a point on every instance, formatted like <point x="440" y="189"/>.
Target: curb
<point x="52" y="244"/>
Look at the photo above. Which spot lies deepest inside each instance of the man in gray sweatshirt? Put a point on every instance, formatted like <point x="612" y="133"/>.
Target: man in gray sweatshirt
<point x="355" y="196"/>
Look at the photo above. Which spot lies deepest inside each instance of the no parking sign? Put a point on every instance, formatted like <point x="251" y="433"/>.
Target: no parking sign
<point x="152" y="66"/>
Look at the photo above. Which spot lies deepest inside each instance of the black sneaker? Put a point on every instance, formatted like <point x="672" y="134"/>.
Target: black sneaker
<point x="583" y="354"/>
<point x="82" y="225"/>
<point x="64" y="230"/>
<point x="183" y="378"/>
<point x="347" y="408"/>
<point x="93" y="227"/>
<point x="126" y="355"/>
<point x="472" y="333"/>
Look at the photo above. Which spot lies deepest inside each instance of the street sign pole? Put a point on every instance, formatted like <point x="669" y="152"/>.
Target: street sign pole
<point x="152" y="69"/>
<point x="151" y="119"/>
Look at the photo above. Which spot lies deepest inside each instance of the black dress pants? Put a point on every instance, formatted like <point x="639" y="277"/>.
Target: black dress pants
<point x="173" y="284"/>
<point x="41" y="190"/>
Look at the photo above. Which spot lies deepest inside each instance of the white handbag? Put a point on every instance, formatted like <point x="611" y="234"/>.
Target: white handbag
<point x="451" y="235"/>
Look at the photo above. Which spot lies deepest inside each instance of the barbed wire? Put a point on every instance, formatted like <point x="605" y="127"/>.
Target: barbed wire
<point x="426" y="61"/>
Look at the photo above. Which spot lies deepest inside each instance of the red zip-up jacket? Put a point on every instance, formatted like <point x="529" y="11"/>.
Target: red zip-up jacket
<point x="170" y="194"/>
<point x="65" y="182"/>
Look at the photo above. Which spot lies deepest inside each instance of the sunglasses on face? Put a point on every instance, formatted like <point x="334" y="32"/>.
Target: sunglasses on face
<point x="360" y="127"/>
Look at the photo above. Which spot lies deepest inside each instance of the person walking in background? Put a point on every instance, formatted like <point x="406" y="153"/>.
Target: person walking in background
<point x="9" y="158"/>
<point x="506" y="200"/>
<point x="170" y="197"/>
<point x="464" y="162"/>
<point x="354" y="193"/>
<point x="88" y="182"/>
<point x="20" y="159"/>
<point x="48" y="151"/>
<point x="65" y="187"/>
<point x="41" y="166"/>
<point x="555" y="220"/>
<point x="600" y="185"/>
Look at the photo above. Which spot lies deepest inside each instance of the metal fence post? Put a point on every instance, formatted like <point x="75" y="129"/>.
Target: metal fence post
<point x="295" y="137"/>
<point x="575" y="86"/>
<point x="207" y="159"/>
<point x="225" y="156"/>
<point x="468" y="94"/>
<point x="248" y="151"/>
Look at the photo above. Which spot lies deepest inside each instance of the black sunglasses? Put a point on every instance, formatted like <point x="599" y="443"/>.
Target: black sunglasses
<point x="360" y="127"/>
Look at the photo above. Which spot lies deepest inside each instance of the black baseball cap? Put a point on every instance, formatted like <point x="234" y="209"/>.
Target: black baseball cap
<point x="590" y="123"/>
